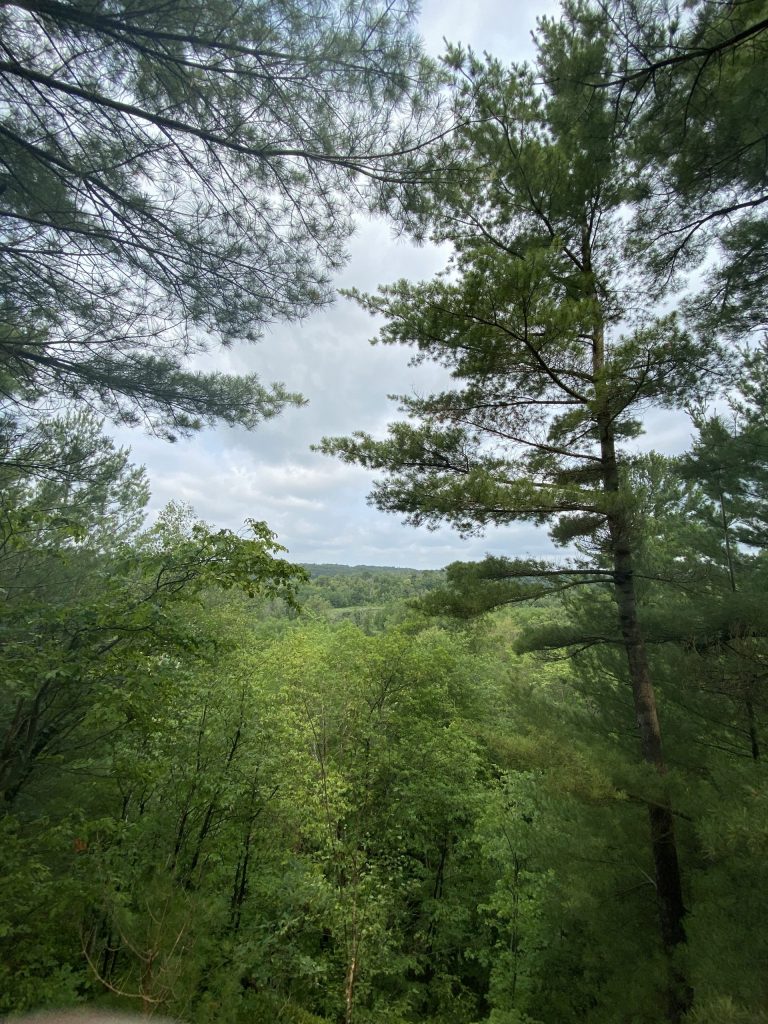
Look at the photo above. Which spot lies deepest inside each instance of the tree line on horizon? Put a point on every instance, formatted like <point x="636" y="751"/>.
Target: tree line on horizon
<point x="519" y="792"/>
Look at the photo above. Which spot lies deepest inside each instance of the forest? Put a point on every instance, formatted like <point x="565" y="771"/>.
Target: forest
<point x="235" y="789"/>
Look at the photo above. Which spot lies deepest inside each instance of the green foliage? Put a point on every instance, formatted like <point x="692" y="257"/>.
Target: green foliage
<point x="699" y="80"/>
<point x="555" y="354"/>
<point x="286" y="816"/>
<point x="235" y="789"/>
<point x="294" y="835"/>
<point x="90" y="600"/>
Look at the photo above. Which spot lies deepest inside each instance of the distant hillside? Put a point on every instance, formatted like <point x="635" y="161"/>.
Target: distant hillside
<point x="372" y="595"/>
<point x="332" y="569"/>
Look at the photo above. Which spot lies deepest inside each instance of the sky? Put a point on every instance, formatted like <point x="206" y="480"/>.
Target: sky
<point x="317" y="505"/>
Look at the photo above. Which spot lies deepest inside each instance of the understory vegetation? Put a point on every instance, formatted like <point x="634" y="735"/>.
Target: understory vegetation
<point x="218" y="807"/>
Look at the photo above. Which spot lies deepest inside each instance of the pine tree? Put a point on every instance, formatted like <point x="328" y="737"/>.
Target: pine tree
<point x="698" y="79"/>
<point x="554" y="355"/>
<point x="176" y="174"/>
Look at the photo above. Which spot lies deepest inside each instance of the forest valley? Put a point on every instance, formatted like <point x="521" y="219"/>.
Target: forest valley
<point x="237" y="790"/>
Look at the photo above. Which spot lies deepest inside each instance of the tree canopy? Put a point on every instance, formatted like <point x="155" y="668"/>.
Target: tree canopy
<point x="698" y="78"/>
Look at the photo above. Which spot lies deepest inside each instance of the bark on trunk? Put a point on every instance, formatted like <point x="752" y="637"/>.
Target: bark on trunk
<point x="669" y="891"/>
<point x="754" y="742"/>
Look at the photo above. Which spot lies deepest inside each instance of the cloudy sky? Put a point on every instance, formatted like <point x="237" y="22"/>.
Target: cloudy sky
<point x="318" y="506"/>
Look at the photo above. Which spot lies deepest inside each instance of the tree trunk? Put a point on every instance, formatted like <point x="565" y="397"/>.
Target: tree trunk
<point x="350" y="980"/>
<point x="668" y="885"/>
<point x="749" y="706"/>
<point x="669" y="891"/>
<point x="753" y="738"/>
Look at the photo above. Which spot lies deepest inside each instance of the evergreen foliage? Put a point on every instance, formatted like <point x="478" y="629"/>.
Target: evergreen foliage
<point x="172" y="174"/>
<point x="698" y="77"/>
<point x="555" y="356"/>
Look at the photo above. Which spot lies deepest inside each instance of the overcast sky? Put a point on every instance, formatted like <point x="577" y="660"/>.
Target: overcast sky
<point x="317" y="506"/>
